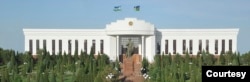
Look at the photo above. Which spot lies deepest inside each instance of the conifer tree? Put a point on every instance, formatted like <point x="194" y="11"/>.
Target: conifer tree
<point x="238" y="58"/>
<point x="45" y="76"/>
<point x="12" y="62"/>
<point x="76" y="57"/>
<point x="94" y="69"/>
<point x="38" y="76"/>
<point x="30" y="63"/>
<point x="92" y="52"/>
<point x="170" y="58"/>
<point x="222" y="59"/>
<point x="82" y="55"/>
<point x="61" y="75"/>
<point x="145" y="65"/>
<point x="187" y="57"/>
<point x="53" y="76"/>
<point x="52" y="61"/>
<point x="5" y="76"/>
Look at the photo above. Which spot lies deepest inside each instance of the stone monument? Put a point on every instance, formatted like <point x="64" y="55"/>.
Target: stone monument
<point x="131" y="65"/>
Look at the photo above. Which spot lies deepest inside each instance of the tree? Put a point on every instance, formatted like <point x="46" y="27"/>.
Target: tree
<point x="222" y="59"/>
<point x="170" y="58"/>
<point x="30" y="61"/>
<point x="76" y="57"/>
<point x="13" y="63"/>
<point x="92" y="51"/>
<point x="45" y="76"/>
<point x="145" y="65"/>
<point x="53" y="76"/>
<point x="5" y="76"/>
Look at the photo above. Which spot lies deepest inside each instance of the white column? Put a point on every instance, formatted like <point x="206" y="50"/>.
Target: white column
<point x="234" y="45"/>
<point x="195" y="46"/>
<point x="73" y="47"/>
<point x="97" y="45"/>
<point x="40" y="43"/>
<point x="49" y="45"/>
<point x="162" y="41"/>
<point x="80" y="45"/>
<point x="203" y="44"/>
<point x="57" y="46"/>
<point x="212" y="46"/>
<point x="226" y="45"/>
<point x="89" y="45"/>
<point x="26" y="44"/>
<point x="78" y="48"/>
<point x="170" y="46"/>
<point x="139" y="48"/>
<point x="219" y="46"/>
<point x="179" y="46"/>
<point x="64" y="46"/>
<point x="151" y="55"/>
<point x="34" y="46"/>
<point x="142" y="46"/>
<point x="117" y="47"/>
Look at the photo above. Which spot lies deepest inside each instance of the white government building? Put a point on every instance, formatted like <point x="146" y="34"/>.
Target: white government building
<point x="148" y="40"/>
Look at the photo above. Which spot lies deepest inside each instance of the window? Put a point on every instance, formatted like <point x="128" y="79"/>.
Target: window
<point x="69" y="46"/>
<point x="158" y="48"/>
<point x="190" y="46"/>
<point x="216" y="47"/>
<point x="183" y="46"/>
<point x="37" y="45"/>
<point x="207" y="45"/>
<point x="200" y="46"/>
<point x="93" y="46"/>
<point x="223" y="46"/>
<point x="101" y="46"/>
<point x="166" y="46"/>
<point x="30" y="46"/>
<point x="85" y="45"/>
<point x="76" y="46"/>
<point x="174" y="46"/>
<point x="44" y="45"/>
<point x="53" y="46"/>
<point x="60" y="46"/>
<point x="230" y="45"/>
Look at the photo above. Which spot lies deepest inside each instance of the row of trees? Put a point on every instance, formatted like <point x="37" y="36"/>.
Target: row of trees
<point x="187" y="68"/>
<point x="23" y="67"/>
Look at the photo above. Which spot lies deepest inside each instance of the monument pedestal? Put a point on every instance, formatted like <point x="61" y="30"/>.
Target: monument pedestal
<point x="131" y="68"/>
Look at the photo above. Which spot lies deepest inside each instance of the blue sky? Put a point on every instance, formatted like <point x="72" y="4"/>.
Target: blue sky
<point x="89" y="14"/>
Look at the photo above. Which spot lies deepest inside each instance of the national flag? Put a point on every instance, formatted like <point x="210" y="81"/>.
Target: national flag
<point x="117" y="8"/>
<point x="137" y="8"/>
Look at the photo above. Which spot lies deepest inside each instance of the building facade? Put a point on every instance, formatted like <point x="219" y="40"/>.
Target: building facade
<point x="148" y="41"/>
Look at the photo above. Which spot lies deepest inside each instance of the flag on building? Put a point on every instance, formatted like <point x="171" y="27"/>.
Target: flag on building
<point x="117" y="8"/>
<point x="137" y="8"/>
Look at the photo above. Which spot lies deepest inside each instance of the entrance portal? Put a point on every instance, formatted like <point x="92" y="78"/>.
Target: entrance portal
<point x="124" y="42"/>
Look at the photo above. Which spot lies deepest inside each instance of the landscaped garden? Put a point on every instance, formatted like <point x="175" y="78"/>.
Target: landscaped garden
<point x="63" y="67"/>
